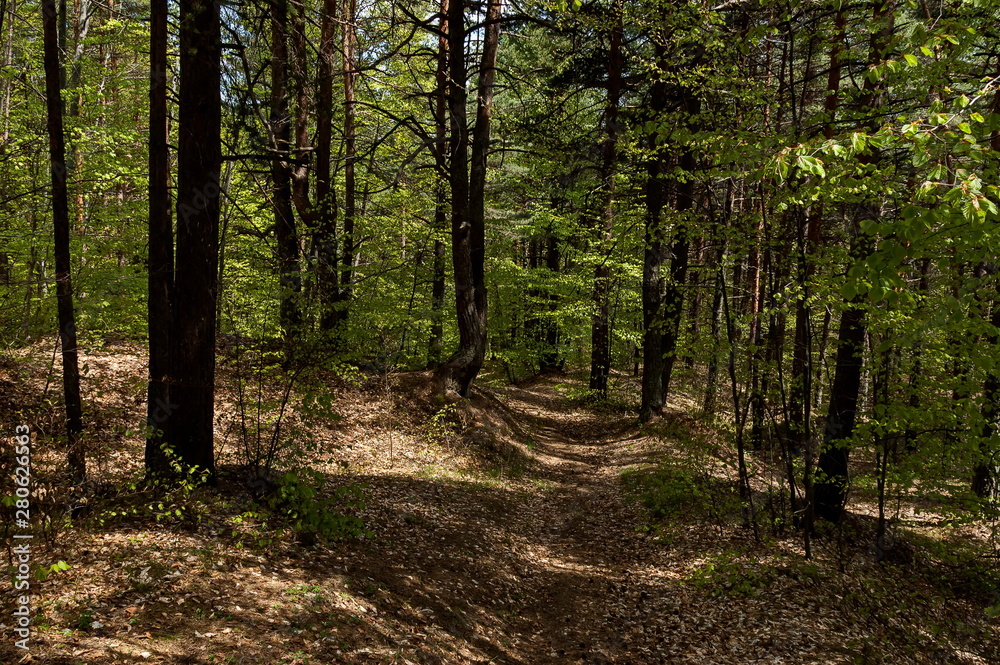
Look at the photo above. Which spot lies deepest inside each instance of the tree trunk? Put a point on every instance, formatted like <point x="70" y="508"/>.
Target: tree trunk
<point x="192" y="340"/>
<point x="985" y="478"/>
<point x="60" y="221"/>
<point x="349" y="16"/>
<point x="161" y="242"/>
<point x="830" y="493"/>
<point x="325" y="205"/>
<point x="286" y="235"/>
<point x="985" y="481"/>
<point x="440" y="204"/>
<point x="468" y="182"/>
<point x="652" y="398"/>
<point x="673" y="301"/>
<point x="801" y="353"/>
<point x="600" y="336"/>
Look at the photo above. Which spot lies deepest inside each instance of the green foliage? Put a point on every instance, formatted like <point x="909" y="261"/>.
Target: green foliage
<point x="727" y="574"/>
<point x="441" y="423"/>
<point x="42" y="573"/>
<point x="297" y="498"/>
<point x="666" y="491"/>
<point x="173" y="497"/>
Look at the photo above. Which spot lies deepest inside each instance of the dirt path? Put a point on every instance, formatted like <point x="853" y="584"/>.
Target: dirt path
<point x="584" y="532"/>
<point x="547" y="565"/>
<point x="559" y="571"/>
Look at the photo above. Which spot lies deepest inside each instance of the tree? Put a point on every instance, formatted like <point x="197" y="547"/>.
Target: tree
<point x="161" y="242"/>
<point x="286" y="234"/>
<point x="199" y="154"/>
<point x="600" y="339"/>
<point x="60" y="222"/>
<point x="441" y="184"/>
<point x="468" y="183"/>
<point x="830" y="492"/>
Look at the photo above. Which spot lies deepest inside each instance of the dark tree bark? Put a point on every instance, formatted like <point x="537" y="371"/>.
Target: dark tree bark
<point x="299" y="75"/>
<point x="349" y="16"/>
<point x="984" y="480"/>
<point x="60" y="221"/>
<point x="468" y="181"/>
<point x="718" y="265"/>
<point x="801" y="353"/>
<point x="192" y="339"/>
<point x="325" y="205"/>
<point x="652" y="397"/>
<point x="673" y="300"/>
<point x="600" y="335"/>
<point x="441" y="204"/>
<point x="285" y="232"/>
<point x="161" y="242"/>
<point x="830" y="493"/>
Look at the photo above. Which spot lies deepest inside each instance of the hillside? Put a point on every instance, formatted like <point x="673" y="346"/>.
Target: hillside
<point x="503" y="529"/>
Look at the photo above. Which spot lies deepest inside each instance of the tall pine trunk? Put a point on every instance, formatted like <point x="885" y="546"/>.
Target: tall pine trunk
<point x="348" y="18"/>
<point x="286" y="235"/>
<point x="161" y="242"/>
<point x="985" y="482"/>
<point x="325" y="205"/>
<point x="830" y="493"/>
<point x="652" y="397"/>
<point x="440" y="203"/>
<point x="673" y="300"/>
<point x="468" y="182"/>
<point x="600" y="336"/>
<point x="808" y="242"/>
<point x="60" y="221"/>
<point x="192" y="340"/>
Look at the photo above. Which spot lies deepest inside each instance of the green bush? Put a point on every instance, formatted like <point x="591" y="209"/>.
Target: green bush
<point x="296" y="497"/>
<point x="665" y="491"/>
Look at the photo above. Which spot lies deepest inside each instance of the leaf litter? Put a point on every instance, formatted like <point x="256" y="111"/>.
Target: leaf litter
<point x="500" y="533"/>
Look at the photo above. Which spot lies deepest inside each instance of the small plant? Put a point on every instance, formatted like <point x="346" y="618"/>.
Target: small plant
<point x="724" y="574"/>
<point x="438" y="425"/>
<point x="180" y="486"/>
<point x="665" y="491"/>
<point x="85" y="620"/>
<point x="42" y="572"/>
<point x="578" y="394"/>
<point x="296" y="497"/>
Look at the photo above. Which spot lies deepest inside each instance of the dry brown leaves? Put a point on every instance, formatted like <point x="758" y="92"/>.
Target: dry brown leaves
<point x="501" y="534"/>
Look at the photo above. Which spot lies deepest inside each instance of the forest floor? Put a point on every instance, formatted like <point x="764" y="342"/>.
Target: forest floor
<point x="502" y="529"/>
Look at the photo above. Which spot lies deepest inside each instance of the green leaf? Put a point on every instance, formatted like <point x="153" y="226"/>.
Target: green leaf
<point x="911" y="59"/>
<point x="811" y="165"/>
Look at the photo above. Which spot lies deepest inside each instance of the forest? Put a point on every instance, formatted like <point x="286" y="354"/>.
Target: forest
<point x="500" y="331"/>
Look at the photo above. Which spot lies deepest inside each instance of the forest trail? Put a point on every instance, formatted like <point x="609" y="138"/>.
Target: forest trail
<point x="562" y="570"/>
<point x="556" y="566"/>
<point x="584" y="531"/>
<point x="541" y="559"/>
